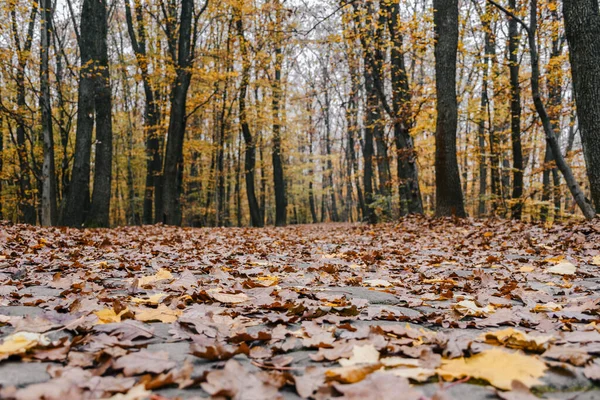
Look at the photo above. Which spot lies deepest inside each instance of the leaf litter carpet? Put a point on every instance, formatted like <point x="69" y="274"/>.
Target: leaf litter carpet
<point x="419" y="309"/>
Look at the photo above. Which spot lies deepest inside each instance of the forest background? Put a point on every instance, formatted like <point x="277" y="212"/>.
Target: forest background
<point x="254" y="112"/>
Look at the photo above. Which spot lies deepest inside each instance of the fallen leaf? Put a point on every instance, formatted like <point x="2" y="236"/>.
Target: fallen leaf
<point x="516" y="339"/>
<point x="379" y="386"/>
<point x="138" y="392"/>
<point x="162" y="274"/>
<point x="366" y="354"/>
<point x="235" y="382"/>
<point x="378" y="283"/>
<point x="162" y="313"/>
<point x="469" y="308"/>
<point x="108" y="315"/>
<point x="564" y="268"/>
<point x="144" y="361"/>
<point x="518" y="391"/>
<point x="21" y="342"/>
<point x="351" y="374"/>
<point x="496" y="366"/>
<point x="154" y="299"/>
<point x="228" y="297"/>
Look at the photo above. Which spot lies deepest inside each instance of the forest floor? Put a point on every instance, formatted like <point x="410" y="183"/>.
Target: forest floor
<point x="420" y="309"/>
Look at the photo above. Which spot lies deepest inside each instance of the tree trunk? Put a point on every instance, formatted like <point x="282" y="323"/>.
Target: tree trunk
<point x="582" y="24"/>
<point x="515" y="114"/>
<point x="250" y="153"/>
<point x="483" y="111"/>
<point x="100" y="207"/>
<point x="278" y="178"/>
<point x="49" y="209"/>
<point x="407" y="170"/>
<point x="77" y="202"/>
<point x="173" y="163"/>
<point x="449" y="196"/>
<point x="152" y="118"/>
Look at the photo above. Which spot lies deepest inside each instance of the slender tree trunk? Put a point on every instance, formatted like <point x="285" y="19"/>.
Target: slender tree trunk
<point x="582" y="23"/>
<point x="152" y="118"/>
<point x="449" y="196"/>
<point x="278" y="177"/>
<point x="49" y="209"/>
<point x="483" y="110"/>
<point x="26" y="200"/>
<point x="256" y="218"/>
<point x="515" y="114"/>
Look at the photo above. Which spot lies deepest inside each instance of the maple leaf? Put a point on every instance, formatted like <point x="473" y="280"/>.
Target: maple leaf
<point x="496" y="366"/>
<point x="108" y="315"/>
<point x="366" y="354"/>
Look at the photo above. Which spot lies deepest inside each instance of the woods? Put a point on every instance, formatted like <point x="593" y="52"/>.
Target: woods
<point x="271" y="112"/>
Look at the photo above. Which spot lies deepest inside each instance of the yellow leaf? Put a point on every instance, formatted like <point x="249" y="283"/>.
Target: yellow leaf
<point x="564" y="268"/>
<point x="516" y="339"/>
<point x="20" y="342"/>
<point x="526" y="268"/>
<point x="138" y="392"/>
<point x="366" y="354"/>
<point x="548" y="307"/>
<point x="162" y="314"/>
<point x="352" y="374"/>
<point x="267" y="281"/>
<point x="496" y="366"/>
<point x="108" y="315"/>
<point x="596" y="260"/>
<point x="159" y="276"/>
<point x="154" y="299"/>
<point x="400" y="362"/>
<point x="468" y="307"/>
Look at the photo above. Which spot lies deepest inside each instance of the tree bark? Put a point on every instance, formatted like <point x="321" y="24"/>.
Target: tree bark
<point x="449" y="196"/>
<point x="515" y="115"/>
<point x="582" y="24"/>
<point x="250" y="153"/>
<point x="49" y="209"/>
<point x="173" y="163"/>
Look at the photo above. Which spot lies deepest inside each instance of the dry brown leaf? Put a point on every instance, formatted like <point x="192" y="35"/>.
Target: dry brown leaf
<point x="351" y="374"/>
<point x="162" y="274"/>
<point x="516" y="339"/>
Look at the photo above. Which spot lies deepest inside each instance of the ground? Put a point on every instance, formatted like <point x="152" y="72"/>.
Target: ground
<point x="419" y="309"/>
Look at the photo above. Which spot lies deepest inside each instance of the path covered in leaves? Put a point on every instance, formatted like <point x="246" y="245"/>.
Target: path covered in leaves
<point x="421" y="309"/>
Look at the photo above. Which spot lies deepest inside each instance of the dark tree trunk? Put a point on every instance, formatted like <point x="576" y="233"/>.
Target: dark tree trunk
<point x="449" y="196"/>
<point x="152" y="118"/>
<point x="100" y="207"/>
<point x="173" y="163"/>
<point x="328" y="178"/>
<point x="77" y="203"/>
<point x="278" y="177"/>
<point x="582" y="24"/>
<point x="256" y="218"/>
<point x="483" y="111"/>
<point x="407" y="170"/>
<point x="49" y="208"/>
<point x="515" y="114"/>
<point x="25" y="196"/>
